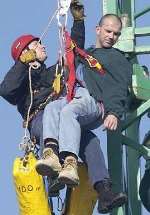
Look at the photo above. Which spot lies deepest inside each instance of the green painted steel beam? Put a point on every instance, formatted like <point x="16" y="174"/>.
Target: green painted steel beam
<point x="110" y="6"/>
<point x="136" y="114"/>
<point x="140" y="83"/>
<point x="143" y="31"/>
<point x="142" y="12"/>
<point x="127" y="43"/>
<point x="142" y="49"/>
<point x="128" y="7"/>
<point x="141" y="149"/>
<point x="133" y="171"/>
<point x="126" y="40"/>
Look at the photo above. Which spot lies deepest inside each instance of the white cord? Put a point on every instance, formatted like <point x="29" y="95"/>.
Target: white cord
<point x="63" y="14"/>
<point x="26" y="142"/>
<point x="31" y="102"/>
<point x="63" y="6"/>
<point x="48" y="25"/>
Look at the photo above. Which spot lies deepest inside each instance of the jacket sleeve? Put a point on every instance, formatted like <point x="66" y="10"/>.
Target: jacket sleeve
<point x="78" y="33"/>
<point x="115" y="98"/>
<point x="14" y="83"/>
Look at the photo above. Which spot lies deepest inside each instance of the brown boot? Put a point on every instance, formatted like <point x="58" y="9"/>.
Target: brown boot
<point x="107" y="199"/>
<point x="49" y="164"/>
<point x="69" y="173"/>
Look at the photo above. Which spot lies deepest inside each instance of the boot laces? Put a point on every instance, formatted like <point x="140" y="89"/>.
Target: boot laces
<point x="69" y="162"/>
<point x="48" y="153"/>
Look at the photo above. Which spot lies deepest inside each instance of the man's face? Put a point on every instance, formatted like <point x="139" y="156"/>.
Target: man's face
<point x="108" y="33"/>
<point x="40" y="50"/>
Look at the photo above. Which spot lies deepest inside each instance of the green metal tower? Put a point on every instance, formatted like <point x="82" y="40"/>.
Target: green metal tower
<point x="125" y="141"/>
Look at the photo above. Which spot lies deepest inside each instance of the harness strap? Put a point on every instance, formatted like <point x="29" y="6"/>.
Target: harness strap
<point x="92" y="62"/>
<point x="71" y="49"/>
<point x="70" y="84"/>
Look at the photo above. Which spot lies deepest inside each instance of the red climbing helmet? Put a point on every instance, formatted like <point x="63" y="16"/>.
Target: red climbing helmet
<point x="20" y="43"/>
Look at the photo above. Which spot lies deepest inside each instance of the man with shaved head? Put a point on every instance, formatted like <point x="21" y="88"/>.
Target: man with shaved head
<point x="109" y="89"/>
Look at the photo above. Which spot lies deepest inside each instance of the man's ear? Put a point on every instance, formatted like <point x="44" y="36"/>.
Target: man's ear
<point x="98" y="28"/>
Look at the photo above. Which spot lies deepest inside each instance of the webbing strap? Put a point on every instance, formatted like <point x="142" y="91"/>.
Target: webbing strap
<point x="70" y="48"/>
<point x="92" y="62"/>
<point x="70" y="62"/>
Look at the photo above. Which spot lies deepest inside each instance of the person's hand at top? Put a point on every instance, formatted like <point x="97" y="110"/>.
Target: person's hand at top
<point x="77" y="10"/>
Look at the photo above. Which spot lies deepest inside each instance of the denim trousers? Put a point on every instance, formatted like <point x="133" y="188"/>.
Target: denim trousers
<point x="90" y="150"/>
<point x="62" y="121"/>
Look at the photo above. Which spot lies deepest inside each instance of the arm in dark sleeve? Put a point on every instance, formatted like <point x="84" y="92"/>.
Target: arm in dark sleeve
<point x="78" y="33"/>
<point x="14" y="83"/>
<point x="115" y="98"/>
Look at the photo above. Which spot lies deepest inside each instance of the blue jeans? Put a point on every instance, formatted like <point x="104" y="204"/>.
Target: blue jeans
<point x="62" y="121"/>
<point x="90" y="151"/>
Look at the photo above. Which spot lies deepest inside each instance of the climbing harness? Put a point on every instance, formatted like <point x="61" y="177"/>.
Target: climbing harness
<point x="63" y="6"/>
<point x="72" y="49"/>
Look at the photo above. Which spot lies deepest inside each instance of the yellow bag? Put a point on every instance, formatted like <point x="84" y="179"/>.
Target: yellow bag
<point x="30" y="190"/>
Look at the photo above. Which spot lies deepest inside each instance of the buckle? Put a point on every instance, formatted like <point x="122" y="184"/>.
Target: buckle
<point x="93" y="63"/>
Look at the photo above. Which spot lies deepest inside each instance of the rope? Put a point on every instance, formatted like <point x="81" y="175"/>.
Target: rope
<point x="62" y="10"/>
<point x="26" y="142"/>
<point x="63" y="6"/>
<point x="48" y="25"/>
<point x="31" y="101"/>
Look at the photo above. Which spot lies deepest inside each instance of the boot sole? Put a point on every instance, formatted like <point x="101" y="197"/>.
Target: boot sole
<point x="56" y="186"/>
<point x="118" y="202"/>
<point x="70" y="183"/>
<point x="45" y="170"/>
<point x="53" y="190"/>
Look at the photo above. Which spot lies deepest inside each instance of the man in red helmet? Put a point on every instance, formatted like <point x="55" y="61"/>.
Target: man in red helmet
<point x="20" y="44"/>
<point x="15" y="89"/>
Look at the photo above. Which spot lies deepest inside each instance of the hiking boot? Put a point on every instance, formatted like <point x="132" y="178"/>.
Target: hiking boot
<point x="107" y="199"/>
<point x="69" y="173"/>
<point x="54" y="186"/>
<point x="49" y="164"/>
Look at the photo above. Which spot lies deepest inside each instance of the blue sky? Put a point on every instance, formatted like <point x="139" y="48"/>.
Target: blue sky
<point x="30" y="16"/>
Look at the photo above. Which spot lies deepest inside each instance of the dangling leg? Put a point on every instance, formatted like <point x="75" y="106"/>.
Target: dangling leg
<point x="81" y="110"/>
<point x="49" y="164"/>
<point x="92" y="155"/>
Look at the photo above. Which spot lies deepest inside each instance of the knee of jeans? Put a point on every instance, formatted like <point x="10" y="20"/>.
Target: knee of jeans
<point x="49" y="110"/>
<point x="68" y="111"/>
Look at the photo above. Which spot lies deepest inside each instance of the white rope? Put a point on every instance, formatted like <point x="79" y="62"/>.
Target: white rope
<point x="62" y="14"/>
<point x="61" y="11"/>
<point x="26" y="142"/>
<point x="63" y="6"/>
<point x="48" y="25"/>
